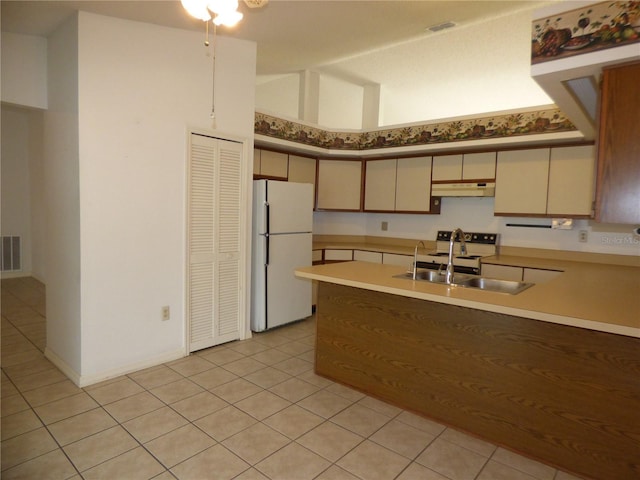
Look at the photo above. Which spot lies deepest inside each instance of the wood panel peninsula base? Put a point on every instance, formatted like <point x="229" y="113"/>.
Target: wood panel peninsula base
<point x="564" y="395"/>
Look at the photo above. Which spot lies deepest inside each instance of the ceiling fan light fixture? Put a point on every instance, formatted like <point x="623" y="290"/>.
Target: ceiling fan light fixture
<point x="256" y="3"/>
<point x="221" y="7"/>
<point x="197" y="9"/>
<point x="228" y="19"/>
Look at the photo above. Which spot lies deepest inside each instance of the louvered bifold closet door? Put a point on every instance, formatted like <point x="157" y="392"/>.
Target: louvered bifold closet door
<point x="214" y="241"/>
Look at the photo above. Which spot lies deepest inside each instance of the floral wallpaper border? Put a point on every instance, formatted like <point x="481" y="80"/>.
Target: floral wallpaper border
<point x="497" y="126"/>
<point x="594" y="27"/>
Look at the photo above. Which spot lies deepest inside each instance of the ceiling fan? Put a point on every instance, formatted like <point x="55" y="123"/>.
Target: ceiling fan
<point x="222" y="12"/>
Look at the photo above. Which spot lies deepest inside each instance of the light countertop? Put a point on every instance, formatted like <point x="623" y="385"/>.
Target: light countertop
<point x="588" y="295"/>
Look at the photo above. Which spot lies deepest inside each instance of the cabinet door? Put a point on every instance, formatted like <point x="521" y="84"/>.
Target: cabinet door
<point x="521" y="182"/>
<point x="339" y="184"/>
<point x="479" y="166"/>
<point x="502" y="272"/>
<point x="380" y="185"/>
<point x="273" y="164"/>
<point x="537" y="275"/>
<point x="397" y="259"/>
<point x="571" y="181"/>
<point x="366" y="256"/>
<point x="413" y="184"/>
<point x="338" y="255"/>
<point x="303" y="170"/>
<point x="618" y="186"/>
<point x="447" y="167"/>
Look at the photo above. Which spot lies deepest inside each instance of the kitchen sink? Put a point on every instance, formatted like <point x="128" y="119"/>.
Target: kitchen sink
<point x="494" y="285"/>
<point x="469" y="281"/>
<point x="433" y="276"/>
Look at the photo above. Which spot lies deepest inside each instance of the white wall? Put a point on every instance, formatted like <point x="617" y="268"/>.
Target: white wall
<point x="24" y="70"/>
<point x="480" y="68"/>
<point x="471" y="69"/>
<point x="340" y="103"/>
<point x="476" y="214"/>
<point x="62" y="194"/>
<point x="16" y="188"/>
<point x="22" y="187"/>
<point x="140" y="87"/>
<point x="38" y="195"/>
<point x="279" y="95"/>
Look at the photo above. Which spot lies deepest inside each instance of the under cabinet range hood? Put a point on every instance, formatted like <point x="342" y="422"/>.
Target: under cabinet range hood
<point x="477" y="189"/>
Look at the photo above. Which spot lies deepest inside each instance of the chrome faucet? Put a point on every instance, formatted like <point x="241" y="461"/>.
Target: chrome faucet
<point x="415" y="258"/>
<point x="463" y="250"/>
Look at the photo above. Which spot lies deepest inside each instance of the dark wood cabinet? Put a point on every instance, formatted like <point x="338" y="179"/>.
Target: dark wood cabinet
<point x="618" y="180"/>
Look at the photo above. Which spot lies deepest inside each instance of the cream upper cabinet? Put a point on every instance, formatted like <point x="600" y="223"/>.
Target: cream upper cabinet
<point x="413" y="184"/>
<point x="447" y="167"/>
<point x="571" y="181"/>
<point x="470" y="166"/>
<point x="270" y="164"/>
<point x="402" y="185"/>
<point x="521" y="182"/>
<point x="553" y="182"/>
<point x="302" y="170"/>
<point x="479" y="166"/>
<point x="380" y="185"/>
<point x="339" y="184"/>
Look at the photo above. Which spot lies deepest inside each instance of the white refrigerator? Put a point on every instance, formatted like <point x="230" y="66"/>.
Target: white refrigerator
<point x="281" y="242"/>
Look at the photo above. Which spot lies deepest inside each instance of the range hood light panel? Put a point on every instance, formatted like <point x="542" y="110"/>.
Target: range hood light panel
<point x="585" y="91"/>
<point x="481" y="189"/>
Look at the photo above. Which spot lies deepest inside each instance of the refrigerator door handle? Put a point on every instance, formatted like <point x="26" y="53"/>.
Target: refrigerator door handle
<point x="267" y="211"/>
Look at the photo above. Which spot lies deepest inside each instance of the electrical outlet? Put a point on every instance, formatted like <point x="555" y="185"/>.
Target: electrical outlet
<point x="166" y="313"/>
<point x="583" y="236"/>
<point x="384" y="226"/>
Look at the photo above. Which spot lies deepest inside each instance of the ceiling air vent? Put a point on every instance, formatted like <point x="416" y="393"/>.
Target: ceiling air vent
<point x="441" y="26"/>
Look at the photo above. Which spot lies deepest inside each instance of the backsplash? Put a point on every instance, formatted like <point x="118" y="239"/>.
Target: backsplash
<point x="476" y="214"/>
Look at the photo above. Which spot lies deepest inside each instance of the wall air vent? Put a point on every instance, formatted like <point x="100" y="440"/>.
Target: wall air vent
<point x="441" y="26"/>
<point x="10" y="254"/>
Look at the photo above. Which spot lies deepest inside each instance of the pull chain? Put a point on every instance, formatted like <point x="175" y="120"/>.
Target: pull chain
<point x="213" y="80"/>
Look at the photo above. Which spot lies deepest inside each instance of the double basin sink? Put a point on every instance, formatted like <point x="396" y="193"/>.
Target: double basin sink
<point x="470" y="281"/>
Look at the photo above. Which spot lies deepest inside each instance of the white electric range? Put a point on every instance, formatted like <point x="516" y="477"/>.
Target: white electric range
<point x="478" y="245"/>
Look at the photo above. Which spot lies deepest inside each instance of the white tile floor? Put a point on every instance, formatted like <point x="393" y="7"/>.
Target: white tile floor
<point x="246" y="410"/>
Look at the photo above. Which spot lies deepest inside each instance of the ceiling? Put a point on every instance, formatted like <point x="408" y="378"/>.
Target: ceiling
<point x="292" y="35"/>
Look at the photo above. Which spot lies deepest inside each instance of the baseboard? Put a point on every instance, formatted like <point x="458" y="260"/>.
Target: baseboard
<point x="62" y="366"/>
<point x="15" y="274"/>
<point x="86" y="380"/>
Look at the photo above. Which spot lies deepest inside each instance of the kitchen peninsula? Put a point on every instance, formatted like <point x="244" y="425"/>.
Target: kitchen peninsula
<point x="551" y="372"/>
